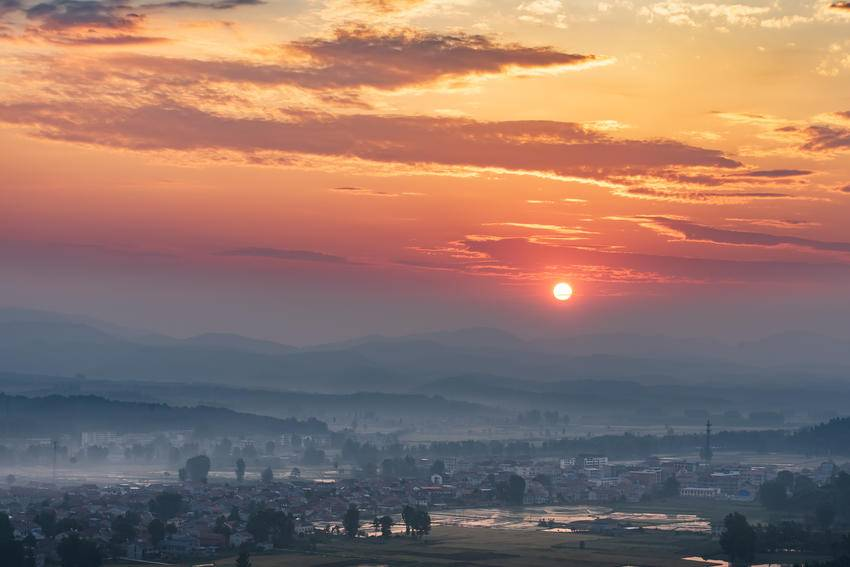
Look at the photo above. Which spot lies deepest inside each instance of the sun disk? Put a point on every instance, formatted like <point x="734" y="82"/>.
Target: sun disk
<point x="562" y="291"/>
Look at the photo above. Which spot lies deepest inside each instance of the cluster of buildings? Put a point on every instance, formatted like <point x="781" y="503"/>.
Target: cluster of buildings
<point x="215" y="516"/>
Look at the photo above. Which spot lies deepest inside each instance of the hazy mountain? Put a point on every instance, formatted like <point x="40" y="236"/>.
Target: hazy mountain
<point x="238" y="342"/>
<point x="42" y="343"/>
<point x="476" y="338"/>
<point x="575" y="395"/>
<point x="632" y="344"/>
<point x="796" y="348"/>
<point x="20" y="315"/>
<point x="52" y="415"/>
<point x="326" y="371"/>
<point x="265" y="402"/>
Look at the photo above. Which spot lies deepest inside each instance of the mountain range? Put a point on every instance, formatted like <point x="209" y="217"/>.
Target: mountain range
<point x="475" y="366"/>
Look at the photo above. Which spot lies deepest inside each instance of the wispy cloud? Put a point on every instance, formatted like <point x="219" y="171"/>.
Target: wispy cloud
<point x="538" y="258"/>
<point x="196" y="5"/>
<point x="362" y="192"/>
<point x="283" y="254"/>
<point x="775" y="173"/>
<point x="775" y="223"/>
<point x="542" y="227"/>
<point x="697" y="14"/>
<point x="698" y="196"/>
<point x="683" y="229"/>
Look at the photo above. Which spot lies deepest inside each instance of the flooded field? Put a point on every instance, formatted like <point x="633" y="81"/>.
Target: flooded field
<point x="529" y="518"/>
<point x="108" y="474"/>
<point x="700" y="562"/>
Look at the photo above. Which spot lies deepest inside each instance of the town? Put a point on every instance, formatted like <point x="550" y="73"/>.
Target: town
<point x="295" y="492"/>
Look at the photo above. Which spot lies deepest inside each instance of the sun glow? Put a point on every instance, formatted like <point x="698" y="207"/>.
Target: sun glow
<point x="562" y="291"/>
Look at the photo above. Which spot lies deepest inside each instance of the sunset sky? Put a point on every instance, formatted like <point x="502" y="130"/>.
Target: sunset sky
<point x="312" y="170"/>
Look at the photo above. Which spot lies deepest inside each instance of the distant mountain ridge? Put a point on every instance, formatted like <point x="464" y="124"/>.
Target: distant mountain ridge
<point x="55" y="415"/>
<point x="38" y="342"/>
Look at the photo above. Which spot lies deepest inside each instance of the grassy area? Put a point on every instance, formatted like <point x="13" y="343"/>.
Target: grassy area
<point x="456" y="546"/>
<point x="453" y="546"/>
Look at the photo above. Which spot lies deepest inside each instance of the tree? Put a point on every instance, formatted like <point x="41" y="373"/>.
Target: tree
<point x="514" y="492"/>
<point x="773" y="494"/>
<point x="156" y="531"/>
<point x="438" y="467"/>
<point x="421" y="524"/>
<point x="240" y="469"/>
<point x="260" y="524"/>
<point x="75" y="551"/>
<point x="244" y="559"/>
<point x="407" y="516"/>
<point x="11" y="550"/>
<point x="785" y="478"/>
<point x="124" y="527"/>
<point x="277" y="526"/>
<point x="234" y="516"/>
<point x="198" y="468"/>
<point x="313" y="456"/>
<point x="183" y="474"/>
<point x="166" y="505"/>
<point x="738" y="539"/>
<point x="221" y="527"/>
<point x="386" y="524"/>
<point x="46" y="520"/>
<point x="370" y="469"/>
<point x="670" y="488"/>
<point x="825" y="514"/>
<point x="267" y="475"/>
<point x="351" y="521"/>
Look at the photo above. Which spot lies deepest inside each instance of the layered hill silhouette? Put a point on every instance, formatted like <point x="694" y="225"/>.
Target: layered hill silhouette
<point x="36" y="342"/>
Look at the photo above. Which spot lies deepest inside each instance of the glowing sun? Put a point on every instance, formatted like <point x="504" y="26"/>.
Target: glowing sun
<point x="562" y="291"/>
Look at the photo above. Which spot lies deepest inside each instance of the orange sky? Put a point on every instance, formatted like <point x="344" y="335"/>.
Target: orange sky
<point x="317" y="169"/>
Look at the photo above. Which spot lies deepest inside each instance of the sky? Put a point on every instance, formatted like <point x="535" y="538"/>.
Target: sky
<point x="312" y="170"/>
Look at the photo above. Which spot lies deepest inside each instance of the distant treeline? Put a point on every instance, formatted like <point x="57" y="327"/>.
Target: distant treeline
<point x="827" y="438"/>
<point x="51" y="415"/>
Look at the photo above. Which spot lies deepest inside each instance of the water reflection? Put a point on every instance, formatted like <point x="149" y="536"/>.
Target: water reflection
<point x="561" y="516"/>
<point x="721" y="563"/>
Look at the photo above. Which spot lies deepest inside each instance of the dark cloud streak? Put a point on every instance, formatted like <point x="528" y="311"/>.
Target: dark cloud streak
<point x="361" y="57"/>
<point x="282" y="254"/>
<point x="560" y="148"/>
<point x="701" y="233"/>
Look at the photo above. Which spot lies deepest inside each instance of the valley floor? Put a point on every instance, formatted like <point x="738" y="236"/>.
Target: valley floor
<point x="454" y="546"/>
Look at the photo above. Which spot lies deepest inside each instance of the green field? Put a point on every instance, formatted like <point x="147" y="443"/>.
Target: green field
<point x="453" y="546"/>
<point x="490" y="547"/>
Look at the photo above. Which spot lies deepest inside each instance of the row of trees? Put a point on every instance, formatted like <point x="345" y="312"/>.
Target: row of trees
<point x="741" y="541"/>
<point x="798" y="493"/>
<point x="536" y="417"/>
<point x="832" y="437"/>
<point x="278" y="527"/>
<point x="197" y="469"/>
